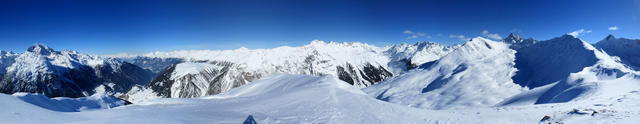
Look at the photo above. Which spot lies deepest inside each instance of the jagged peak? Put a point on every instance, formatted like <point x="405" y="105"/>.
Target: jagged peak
<point x="319" y="43"/>
<point x="40" y="49"/>
<point x="610" y="37"/>
<point x="513" y="36"/>
<point x="426" y="44"/>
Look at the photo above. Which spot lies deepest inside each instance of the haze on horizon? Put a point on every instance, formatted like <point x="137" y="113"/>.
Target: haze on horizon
<point x="109" y="27"/>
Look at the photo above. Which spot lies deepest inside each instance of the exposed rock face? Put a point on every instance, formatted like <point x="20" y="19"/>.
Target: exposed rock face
<point x="209" y="78"/>
<point x="517" y="42"/>
<point x="206" y="78"/>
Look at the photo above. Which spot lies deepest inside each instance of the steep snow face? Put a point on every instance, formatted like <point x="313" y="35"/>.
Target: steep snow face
<point x="476" y="74"/>
<point x="627" y="49"/>
<point x="192" y="79"/>
<point x="6" y="58"/>
<point x="601" y="81"/>
<point x="67" y="73"/>
<point x="195" y="79"/>
<point x="405" y="57"/>
<point x="553" y="60"/>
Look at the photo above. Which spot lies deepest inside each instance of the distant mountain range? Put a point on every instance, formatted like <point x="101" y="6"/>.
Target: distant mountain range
<point x="40" y="69"/>
<point x="425" y="74"/>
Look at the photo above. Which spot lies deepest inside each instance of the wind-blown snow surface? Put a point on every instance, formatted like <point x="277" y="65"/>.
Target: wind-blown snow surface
<point x="309" y="99"/>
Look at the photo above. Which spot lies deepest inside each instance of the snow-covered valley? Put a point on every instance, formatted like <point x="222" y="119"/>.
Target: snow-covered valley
<point x="515" y="80"/>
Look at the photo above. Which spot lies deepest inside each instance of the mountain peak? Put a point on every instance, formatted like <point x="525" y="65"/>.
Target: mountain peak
<point x="568" y="36"/>
<point x="610" y="37"/>
<point x="513" y="36"/>
<point x="40" y="49"/>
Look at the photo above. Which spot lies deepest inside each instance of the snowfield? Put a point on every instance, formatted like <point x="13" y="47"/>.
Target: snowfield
<point x="309" y="99"/>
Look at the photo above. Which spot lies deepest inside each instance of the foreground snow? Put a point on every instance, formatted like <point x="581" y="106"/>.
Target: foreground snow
<point x="310" y="99"/>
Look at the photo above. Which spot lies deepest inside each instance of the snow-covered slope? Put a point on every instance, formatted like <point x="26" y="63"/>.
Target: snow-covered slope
<point x="355" y="63"/>
<point x="6" y="58"/>
<point x="405" y="57"/>
<point x="195" y="79"/>
<point x="552" y="60"/>
<point x="317" y="58"/>
<point x="597" y="75"/>
<point x="67" y="73"/>
<point x="628" y="50"/>
<point x="63" y="104"/>
<point x="487" y="73"/>
<point x="308" y="99"/>
<point x="476" y="74"/>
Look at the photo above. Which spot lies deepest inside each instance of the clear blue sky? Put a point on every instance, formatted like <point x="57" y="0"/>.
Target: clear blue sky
<point x="116" y="26"/>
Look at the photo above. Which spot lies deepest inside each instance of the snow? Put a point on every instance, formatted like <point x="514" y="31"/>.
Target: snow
<point x="627" y="49"/>
<point x="309" y="99"/>
<point x="477" y="74"/>
<point x="62" y="104"/>
<point x="572" y="82"/>
<point x="316" y="58"/>
<point x="416" y="54"/>
<point x="183" y="69"/>
<point x="64" y="73"/>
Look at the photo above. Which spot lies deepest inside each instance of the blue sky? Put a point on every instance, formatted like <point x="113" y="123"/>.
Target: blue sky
<point x="117" y="26"/>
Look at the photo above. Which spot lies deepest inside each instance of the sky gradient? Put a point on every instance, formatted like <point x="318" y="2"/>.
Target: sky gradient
<point x="133" y="26"/>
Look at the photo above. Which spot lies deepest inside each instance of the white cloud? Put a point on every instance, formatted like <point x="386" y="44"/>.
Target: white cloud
<point x="579" y="32"/>
<point x="484" y="32"/>
<point x="490" y="35"/>
<point x="407" y="32"/>
<point x="461" y="37"/>
<point x="415" y="35"/>
<point x="613" y="28"/>
<point x="412" y="37"/>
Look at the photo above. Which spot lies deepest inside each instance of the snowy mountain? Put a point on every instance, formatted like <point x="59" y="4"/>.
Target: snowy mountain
<point x="358" y="64"/>
<point x="627" y="50"/>
<point x="40" y="69"/>
<point x="476" y="74"/>
<point x="587" y="75"/>
<point x="487" y="73"/>
<point x="563" y="80"/>
<point x="405" y="57"/>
